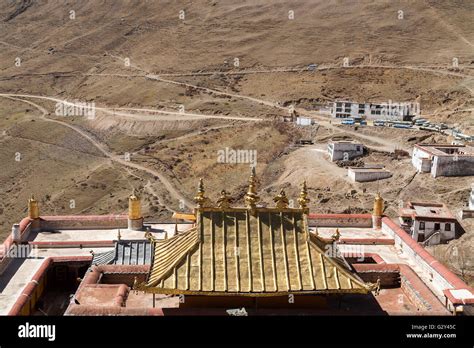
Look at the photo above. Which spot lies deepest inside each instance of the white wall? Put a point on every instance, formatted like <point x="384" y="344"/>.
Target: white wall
<point x="429" y="230"/>
<point x="337" y="150"/>
<point x="421" y="160"/>
<point x="364" y="176"/>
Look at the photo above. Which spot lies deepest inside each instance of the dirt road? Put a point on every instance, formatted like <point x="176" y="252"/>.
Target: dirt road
<point x="174" y="193"/>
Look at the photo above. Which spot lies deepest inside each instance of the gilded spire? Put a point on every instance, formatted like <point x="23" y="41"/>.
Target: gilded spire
<point x="251" y="197"/>
<point x="281" y="200"/>
<point x="223" y="201"/>
<point x="303" y="200"/>
<point x="200" y="198"/>
<point x="378" y="205"/>
<point x="134" y="207"/>
<point x="33" y="208"/>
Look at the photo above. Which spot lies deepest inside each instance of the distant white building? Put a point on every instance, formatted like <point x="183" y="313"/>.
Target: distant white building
<point x="428" y="223"/>
<point x="344" y="150"/>
<point x="372" y="111"/>
<point x="304" y="121"/>
<point x="363" y="174"/>
<point x="443" y="159"/>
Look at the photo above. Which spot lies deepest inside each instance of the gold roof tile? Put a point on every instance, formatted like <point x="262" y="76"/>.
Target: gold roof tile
<point x="258" y="252"/>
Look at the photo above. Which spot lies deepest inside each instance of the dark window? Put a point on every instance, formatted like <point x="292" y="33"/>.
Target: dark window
<point x="437" y="227"/>
<point x="447" y="227"/>
<point x="422" y="225"/>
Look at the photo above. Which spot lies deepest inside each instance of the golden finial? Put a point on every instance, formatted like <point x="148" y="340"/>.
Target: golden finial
<point x="134" y="207"/>
<point x="33" y="208"/>
<point x="303" y="200"/>
<point x="224" y="200"/>
<point x="200" y="198"/>
<point x="251" y="197"/>
<point x="378" y="205"/>
<point x="149" y="236"/>
<point x="335" y="237"/>
<point x="135" y="283"/>
<point x="281" y="200"/>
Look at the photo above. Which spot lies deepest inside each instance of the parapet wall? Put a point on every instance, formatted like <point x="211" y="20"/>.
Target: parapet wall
<point x="340" y="220"/>
<point x="83" y="222"/>
<point x="440" y="277"/>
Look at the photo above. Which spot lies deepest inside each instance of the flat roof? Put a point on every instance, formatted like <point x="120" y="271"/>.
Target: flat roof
<point x="434" y="149"/>
<point x="372" y="170"/>
<point x="427" y="210"/>
<point x="63" y="244"/>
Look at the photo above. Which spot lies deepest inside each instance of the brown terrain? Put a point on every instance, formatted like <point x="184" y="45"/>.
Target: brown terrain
<point x="169" y="95"/>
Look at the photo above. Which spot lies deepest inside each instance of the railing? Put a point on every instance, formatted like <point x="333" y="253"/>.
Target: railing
<point x="426" y="241"/>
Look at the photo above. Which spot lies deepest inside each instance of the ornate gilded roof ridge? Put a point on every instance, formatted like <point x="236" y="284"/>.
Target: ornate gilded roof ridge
<point x="257" y="209"/>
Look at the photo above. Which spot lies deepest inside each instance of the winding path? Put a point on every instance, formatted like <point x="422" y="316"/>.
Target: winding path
<point x="174" y="193"/>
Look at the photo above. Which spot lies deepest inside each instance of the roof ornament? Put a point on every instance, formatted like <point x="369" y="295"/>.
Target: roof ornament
<point x="223" y="201"/>
<point x="378" y="205"/>
<point x="281" y="200"/>
<point x="251" y="197"/>
<point x="303" y="200"/>
<point x="149" y="236"/>
<point x="134" y="207"/>
<point x="335" y="237"/>
<point x="200" y="198"/>
<point x="33" y="208"/>
<point x="376" y="287"/>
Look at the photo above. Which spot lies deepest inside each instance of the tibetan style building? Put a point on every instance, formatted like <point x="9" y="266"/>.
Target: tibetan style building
<point x="224" y="259"/>
<point x="233" y="256"/>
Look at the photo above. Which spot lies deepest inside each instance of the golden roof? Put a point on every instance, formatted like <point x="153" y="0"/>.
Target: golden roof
<point x="251" y="251"/>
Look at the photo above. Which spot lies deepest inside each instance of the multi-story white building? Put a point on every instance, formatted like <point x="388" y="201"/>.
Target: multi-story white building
<point x="373" y="111"/>
<point x="428" y="223"/>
